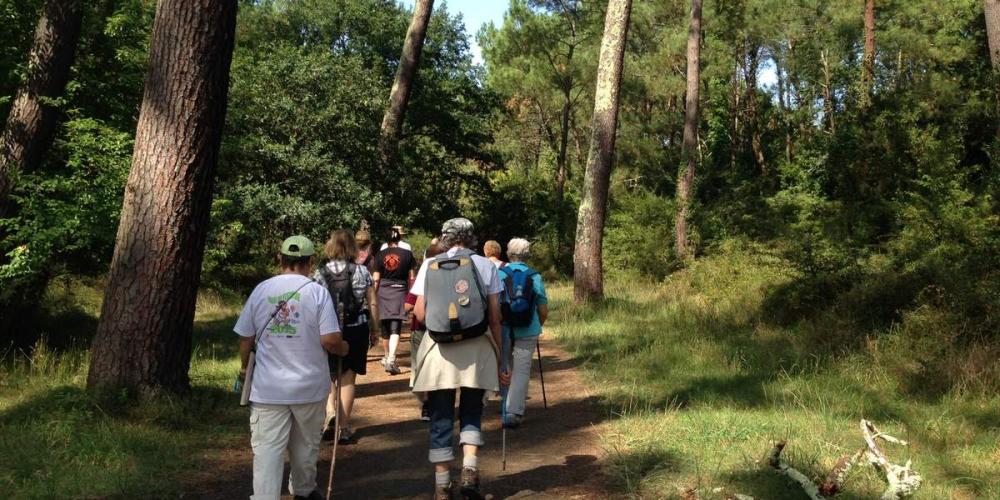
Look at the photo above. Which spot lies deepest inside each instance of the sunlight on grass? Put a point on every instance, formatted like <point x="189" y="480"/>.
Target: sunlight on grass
<point x="699" y="383"/>
<point x="58" y="440"/>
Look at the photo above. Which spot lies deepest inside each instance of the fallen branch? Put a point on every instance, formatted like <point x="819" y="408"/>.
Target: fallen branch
<point x="903" y="481"/>
<point x="774" y="460"/>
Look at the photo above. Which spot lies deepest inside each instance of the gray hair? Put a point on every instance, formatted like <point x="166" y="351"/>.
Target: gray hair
<point x="518" y="249"/>
<point x="457" y="231"/>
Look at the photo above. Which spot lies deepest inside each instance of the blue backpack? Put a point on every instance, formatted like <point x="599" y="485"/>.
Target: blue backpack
<point x="517" y="302"/>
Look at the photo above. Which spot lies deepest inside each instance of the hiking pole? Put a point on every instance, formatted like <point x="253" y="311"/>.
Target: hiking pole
<point x="503" y="403"/>
<point x="337" y="408"/>
<point x="541" y="374"/>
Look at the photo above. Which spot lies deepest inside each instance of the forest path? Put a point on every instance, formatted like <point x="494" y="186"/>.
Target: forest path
<point x="554" y="454"/>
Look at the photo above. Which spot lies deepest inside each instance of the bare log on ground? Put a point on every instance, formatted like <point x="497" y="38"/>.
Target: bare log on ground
<point x="808" y="486"/>
<point x="903" y="480"/>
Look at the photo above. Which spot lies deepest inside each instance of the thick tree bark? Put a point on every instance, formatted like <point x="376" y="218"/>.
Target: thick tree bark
<point x="406" y="73"/>
<point x="588" y="273"/>
<point x="144" y="336"/>
<point x="868" y="63"/>
<point x="685" y="178"/>
<point x="32" y="120"/>
<point x="992" y="10"/>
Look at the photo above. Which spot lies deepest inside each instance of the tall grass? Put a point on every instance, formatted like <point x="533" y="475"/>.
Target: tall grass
<point x="58" y="440"/>
<point x="700" y="380"/>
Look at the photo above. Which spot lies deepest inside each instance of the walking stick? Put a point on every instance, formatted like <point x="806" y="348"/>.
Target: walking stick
<point x="338" y="411"/>
<point x="541" y="374"/>
<point x="503" y="402"/>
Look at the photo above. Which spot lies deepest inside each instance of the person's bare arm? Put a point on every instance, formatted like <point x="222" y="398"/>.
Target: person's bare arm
<point x="246" y="344"/>
<point x="376" y="277"/>
<point x="334" y="343"/>
<point x="420" y="309"/>
<point x="543" y="313"/>
<point x="497" y="331"/>
<point x="374" y="325"/>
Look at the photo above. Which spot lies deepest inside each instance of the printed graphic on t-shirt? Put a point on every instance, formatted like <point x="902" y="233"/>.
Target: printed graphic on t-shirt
<point x="390" y="262"/>
<point x="288" y="316"/>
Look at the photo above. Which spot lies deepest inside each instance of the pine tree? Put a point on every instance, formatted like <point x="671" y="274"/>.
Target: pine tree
<point x="685" y="181"/>
<point x="588" y="275"/>
<point x="143" y="339"/>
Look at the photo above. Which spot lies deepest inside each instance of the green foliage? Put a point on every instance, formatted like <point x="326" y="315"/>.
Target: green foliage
<point x="639" y="236"/>
<point x="67" y="218"/>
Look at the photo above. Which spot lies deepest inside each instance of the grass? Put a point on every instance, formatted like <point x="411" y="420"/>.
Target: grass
<point x="700" y="381"/>
<point x="698" y="376"/>
<point x="58" y="440"/>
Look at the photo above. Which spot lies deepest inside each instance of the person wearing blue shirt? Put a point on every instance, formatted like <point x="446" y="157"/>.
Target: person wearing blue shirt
<point x="525" y="339"/>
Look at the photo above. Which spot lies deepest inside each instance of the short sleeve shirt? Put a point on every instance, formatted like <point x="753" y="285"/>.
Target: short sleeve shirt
<point x="487" y="274"/>
<point x="535" y="328"/>
<point x="360" y="282"/>
<point x="395" y="264"/>
<point x="291" y="364"/>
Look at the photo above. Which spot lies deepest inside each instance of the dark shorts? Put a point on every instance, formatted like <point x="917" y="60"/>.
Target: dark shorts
<point x="391" y="327"/>
<point x="357" y="356"/>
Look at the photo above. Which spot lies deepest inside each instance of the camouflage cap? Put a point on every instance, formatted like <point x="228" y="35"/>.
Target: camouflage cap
<point x="459" y="227"/>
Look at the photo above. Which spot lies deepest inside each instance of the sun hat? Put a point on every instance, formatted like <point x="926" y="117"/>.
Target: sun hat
<point x="298" y="246"/>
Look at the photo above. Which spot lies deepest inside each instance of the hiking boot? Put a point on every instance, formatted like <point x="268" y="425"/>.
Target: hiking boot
<point x="442" y="492"/>
<point x="470" y="484"/>
<point x="393" y="369"/>
<point x="315" y="495"/>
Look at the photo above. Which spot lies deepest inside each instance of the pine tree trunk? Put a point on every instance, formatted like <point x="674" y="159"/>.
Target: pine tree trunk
<point x="406" y="73"/>
<point x="831" y="124"/>
<point x="992" y="9"/>
<point x="868" y="63"/>
<point x="32" y="120"/>
<point x="563" y="138"/>
<point x="685" y="178"/>
<point x="143" y="339"/>
<point x="588" y="273"/>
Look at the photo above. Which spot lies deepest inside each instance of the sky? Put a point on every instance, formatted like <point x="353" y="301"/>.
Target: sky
<point x="475" y="13"/>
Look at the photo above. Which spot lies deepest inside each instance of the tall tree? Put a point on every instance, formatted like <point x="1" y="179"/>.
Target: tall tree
<point x="143" y="339"/>
<point x="685" y="180"/>
<point x="32" y="120"/>
<point x="406" y="72"/>
<point x="868" y="63"/>
<point x="588" y="273"/>
<point x="992" y="8"/>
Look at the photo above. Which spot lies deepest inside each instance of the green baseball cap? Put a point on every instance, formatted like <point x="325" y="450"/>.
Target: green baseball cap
<point x="297" y="246"/>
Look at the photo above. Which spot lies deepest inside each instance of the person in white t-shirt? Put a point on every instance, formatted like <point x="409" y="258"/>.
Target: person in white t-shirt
<point x="470" y="365"/>
<point x="295" y="325"/>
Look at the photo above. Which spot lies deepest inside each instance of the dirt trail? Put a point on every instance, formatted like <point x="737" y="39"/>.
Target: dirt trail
<point x="554" y="454"/>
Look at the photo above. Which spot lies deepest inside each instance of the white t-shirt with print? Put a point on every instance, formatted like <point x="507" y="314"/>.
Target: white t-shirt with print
<point x="487" y="274"/>
<point x="360" y="282"/>
<point x="291" y="364"/>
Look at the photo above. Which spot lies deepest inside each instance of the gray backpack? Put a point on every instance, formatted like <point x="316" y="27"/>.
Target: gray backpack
<point x="455" y="299"/>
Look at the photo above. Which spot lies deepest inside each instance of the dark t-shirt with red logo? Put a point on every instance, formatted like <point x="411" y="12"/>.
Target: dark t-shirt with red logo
<point x="395" y="263"/>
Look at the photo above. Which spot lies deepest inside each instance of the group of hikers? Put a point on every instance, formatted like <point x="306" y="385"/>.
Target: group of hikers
<point x="474" y="320"/>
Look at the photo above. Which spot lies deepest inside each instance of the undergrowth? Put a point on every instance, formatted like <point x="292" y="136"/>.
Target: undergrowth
<point x="701" y="377"/>
<point x="58" y="440"/>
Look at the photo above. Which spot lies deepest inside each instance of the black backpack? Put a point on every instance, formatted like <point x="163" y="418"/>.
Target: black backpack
<point x="341" y="288"/>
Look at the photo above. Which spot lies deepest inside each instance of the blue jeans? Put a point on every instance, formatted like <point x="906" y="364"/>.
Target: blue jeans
<point x="470" y="415"/>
